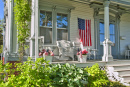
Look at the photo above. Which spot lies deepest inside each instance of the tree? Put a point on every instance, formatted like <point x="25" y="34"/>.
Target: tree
<point x="1" y="35"/>
<point x="1" y="31"/>
<point x="22" y="12"/>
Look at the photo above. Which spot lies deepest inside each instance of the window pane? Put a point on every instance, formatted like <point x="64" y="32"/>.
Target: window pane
<point x="62" y="34"/>
<point x="59" y="21"/>
<point x="112" y="29"/>
<point x="45" y="18"/>
<point x="62" y="21"/>
<point x="112" y="38"/>
<point x="47" y="33"/>
<point x="101" y="27"/>
<point x="101" y="37"/>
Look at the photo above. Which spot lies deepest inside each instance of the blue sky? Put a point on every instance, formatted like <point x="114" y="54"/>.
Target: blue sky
<point x="1" y="9"/>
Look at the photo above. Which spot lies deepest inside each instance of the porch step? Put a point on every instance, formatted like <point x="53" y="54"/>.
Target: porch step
<point x="125" y="75"/>
<point x="126" y="78"/>
<point x="121" y="70"/>
<point x="127" y="81"/>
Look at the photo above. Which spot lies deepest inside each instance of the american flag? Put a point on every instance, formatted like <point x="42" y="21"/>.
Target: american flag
<point x="84" y="27"/>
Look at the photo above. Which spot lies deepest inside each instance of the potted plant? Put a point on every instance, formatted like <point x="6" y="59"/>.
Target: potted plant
<point x="47" y="55"/>
<point x="82" y="55"/>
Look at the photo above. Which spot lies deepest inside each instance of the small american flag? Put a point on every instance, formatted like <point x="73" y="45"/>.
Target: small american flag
<point x="84" y="27"/>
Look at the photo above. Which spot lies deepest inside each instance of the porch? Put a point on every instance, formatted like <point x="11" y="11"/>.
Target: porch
<point x="100" y="11"/>
<point x="109" y="13"/>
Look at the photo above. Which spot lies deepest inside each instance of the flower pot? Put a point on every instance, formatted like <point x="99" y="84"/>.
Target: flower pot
<point x="49" y="58"/>
<point x="83" y="59"/>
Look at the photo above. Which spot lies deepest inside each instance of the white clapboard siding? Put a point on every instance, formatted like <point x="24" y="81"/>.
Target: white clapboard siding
<point x="124" y="31"/>
<point x="81" y="11"/>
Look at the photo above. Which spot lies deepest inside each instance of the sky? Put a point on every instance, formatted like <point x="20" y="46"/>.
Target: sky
<point x="1" y="9"/>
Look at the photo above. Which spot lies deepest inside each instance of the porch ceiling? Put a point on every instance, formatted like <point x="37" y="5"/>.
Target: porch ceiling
<point x="122" y="6"/>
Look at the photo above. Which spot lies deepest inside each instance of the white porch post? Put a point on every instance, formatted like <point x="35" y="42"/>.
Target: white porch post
<point x="36" y="28"/>
<point x="10" y="19"/>
<point x="32" y="29"/>
<point x="107" y="43"/>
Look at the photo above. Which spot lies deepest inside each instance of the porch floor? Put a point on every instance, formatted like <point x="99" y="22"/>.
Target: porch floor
<point x="92" y="62"/>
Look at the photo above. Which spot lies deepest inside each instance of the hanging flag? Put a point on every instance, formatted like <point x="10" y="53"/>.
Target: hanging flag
<point x="84" y="27"/>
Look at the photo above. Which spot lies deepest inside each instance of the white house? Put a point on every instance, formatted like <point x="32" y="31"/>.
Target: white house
<point x="58" y="20"/>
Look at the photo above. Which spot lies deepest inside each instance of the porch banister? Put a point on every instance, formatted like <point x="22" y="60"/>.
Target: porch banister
<point x="36" y="28"/>
<point x="107" y="43"/>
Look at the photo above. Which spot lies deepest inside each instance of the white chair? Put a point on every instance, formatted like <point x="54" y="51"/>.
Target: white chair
<point x="92" y="52"/>
<point x="127" y="52"/>
<point x="66" y="49"/>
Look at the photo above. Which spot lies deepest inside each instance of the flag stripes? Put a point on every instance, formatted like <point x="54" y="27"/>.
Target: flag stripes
<point x="84" y="27"/>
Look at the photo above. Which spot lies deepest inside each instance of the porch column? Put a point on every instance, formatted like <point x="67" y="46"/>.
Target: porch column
<point x="10" y="25"/>
<point x="32" y="30"/>
<point x="107" y="43"/>
<point x="36" y="28"/>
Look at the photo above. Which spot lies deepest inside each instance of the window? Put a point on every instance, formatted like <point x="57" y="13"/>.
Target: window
<point x="111" y="30"/>
<point x="45" y="18"/>
<point x="62" y="25"/>
<point x="101" y="32"/>
<point x="46" y="26"/>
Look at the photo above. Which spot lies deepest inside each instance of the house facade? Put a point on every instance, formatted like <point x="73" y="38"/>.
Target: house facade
<point x="58" y="20"/>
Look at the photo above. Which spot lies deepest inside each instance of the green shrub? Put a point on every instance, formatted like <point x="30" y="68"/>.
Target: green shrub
<point x="1" y="72"/>
<point x="1" y="48"/>
<point x="30" y="75"/>
<point x="114" y="84"/>
<point x="97" y="77"/>
<point x="68" y="76"/>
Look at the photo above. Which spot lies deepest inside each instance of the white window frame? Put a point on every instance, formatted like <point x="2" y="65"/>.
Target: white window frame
<point x="54" y="22"/>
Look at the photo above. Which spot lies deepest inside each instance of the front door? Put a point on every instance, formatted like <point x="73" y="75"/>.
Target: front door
<point x="112" y="38"/>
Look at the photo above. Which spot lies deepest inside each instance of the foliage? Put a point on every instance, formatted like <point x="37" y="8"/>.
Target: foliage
<point x="30" y="74"/>
<point x="1" y="31"/>
<point x="1" y="48"/>
<point x="22" y="18"/>
<point x="4" y="69"/>
<point x="114" y="84"/>
<point x="1" y="72"/>
<point x="68" y="76"/>
<point x="97" y="77"/>
<point x="36" y="74"/>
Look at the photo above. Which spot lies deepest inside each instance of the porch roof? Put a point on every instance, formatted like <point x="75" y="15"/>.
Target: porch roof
<point x="120" y="5"/>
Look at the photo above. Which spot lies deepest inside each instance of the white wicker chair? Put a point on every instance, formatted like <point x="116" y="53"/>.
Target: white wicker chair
<point x="66" y="49"/>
